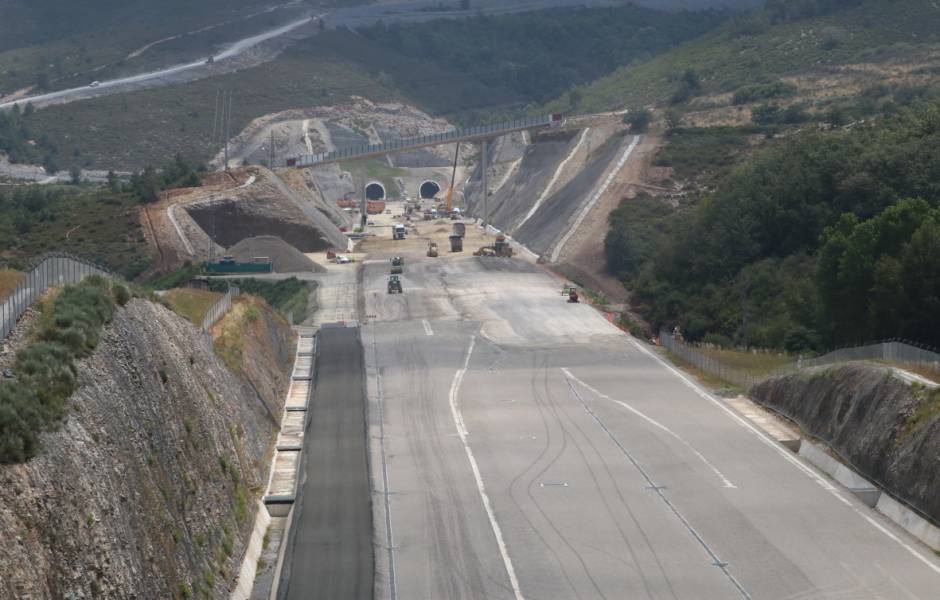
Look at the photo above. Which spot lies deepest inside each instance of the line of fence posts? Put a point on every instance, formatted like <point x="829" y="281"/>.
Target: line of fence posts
<point x="892" y="351"/>
<point x="219" y="308"/>
<point x="49" y="270"/>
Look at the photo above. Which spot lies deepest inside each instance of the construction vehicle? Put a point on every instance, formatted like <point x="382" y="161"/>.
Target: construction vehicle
<point x="449" y="203"/>
<point x="398" y="265"/>
<point x="394" y="284"/>
<point x="398" y="232"/>
<point x="572" y="293"/>
<point x="432" y="249"/>
<point x="499" y="248"/>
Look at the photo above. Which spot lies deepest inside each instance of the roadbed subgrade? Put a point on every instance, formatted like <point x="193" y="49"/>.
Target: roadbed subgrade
<point x="329" y="553"/>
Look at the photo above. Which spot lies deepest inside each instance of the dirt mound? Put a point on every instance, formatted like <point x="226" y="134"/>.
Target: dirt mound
<point x="286" y="258"/>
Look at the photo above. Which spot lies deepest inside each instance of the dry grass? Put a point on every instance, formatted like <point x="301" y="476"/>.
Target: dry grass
<point x="9" y="279"/>
<point x="707" y="380"/>
<point x="758" y="364"/>
<point x="190" y="303"/>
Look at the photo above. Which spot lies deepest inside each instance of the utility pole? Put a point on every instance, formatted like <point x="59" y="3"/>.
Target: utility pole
<point x="228" y="122"/>
<point x="271" y="160"/>
<point x="486" y="214"/>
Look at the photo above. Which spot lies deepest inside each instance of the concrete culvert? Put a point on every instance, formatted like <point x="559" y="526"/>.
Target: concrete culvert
<point x="429" y="189"/>
<point x="286" y="258"/>
<point x="375" y="191"/>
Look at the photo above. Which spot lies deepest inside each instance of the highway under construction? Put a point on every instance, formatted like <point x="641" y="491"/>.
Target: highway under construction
<point x="515" y="445"/>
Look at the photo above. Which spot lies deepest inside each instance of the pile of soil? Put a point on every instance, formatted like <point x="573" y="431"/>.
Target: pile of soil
<point x="286" y="258"/>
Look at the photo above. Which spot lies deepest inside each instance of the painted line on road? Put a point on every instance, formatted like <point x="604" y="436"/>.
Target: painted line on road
<point x="724" y="480"/>
<point x="389" y="536"/>
<point x="658" y="490"/>
<point x="462" y="432"/>
<point x="427" y="327"/>
<point x="788" y="456"/>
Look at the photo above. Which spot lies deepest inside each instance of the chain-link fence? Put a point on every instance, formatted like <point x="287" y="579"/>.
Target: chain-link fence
<point x="220" y="308"/>
<point x="893" y="351"/>
<point x="706" y="363"/>
<point x="49" y="270"/>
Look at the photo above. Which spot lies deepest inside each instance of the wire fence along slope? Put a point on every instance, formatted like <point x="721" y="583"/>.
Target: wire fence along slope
<point x="49" y="270"/>
<point x="893" y="351"/>
<point x="220" y="308"/>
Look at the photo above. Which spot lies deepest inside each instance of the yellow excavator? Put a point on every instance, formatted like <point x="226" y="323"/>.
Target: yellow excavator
<point x="449" y="203"/>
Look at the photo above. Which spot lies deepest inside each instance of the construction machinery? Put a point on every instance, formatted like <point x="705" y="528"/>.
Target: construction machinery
<point x="449" y="203"/>
<point x="398" y="265"/>
<point x="572" y="293"/>
<point x="398" y="232"/>
<point x="500" y="247"/>
<point x="394" y="284"/>
<point x="432" y="249"/>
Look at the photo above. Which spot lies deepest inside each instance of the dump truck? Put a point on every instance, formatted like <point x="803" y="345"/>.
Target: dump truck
<point x="432" y="249"/>
<point x="398" y="232"/>
<point x="398" y="265"/>
<point x="394" y="284"/>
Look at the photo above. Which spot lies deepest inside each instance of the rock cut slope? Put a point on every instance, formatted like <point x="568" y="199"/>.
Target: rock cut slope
<point x="148" y="486"/>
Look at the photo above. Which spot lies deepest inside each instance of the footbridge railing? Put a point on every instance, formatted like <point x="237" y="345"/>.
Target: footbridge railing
<point x="46" y="271"/>
<point x="434" y="139"/>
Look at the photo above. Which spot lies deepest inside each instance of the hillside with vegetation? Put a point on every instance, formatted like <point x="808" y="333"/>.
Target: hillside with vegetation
<point x="823" y="238"/>
<point x="818" y="55"/>
<point x="537" y="56"/>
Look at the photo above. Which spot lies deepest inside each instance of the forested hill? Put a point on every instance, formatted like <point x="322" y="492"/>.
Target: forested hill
<point x="824" y="238"/>
<point x="30" y="22"/>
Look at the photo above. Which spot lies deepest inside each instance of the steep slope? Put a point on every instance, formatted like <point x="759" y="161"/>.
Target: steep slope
<point x="825" y="57"/>
<point x="146" y="491"/>
<point x="887" y="428"/>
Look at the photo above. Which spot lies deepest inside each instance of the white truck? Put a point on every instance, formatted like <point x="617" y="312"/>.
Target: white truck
<point x="398" y="232"/>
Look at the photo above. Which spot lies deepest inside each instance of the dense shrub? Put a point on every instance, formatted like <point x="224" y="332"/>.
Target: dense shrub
<point x="810" y="245"/>
<point x="45" y="370"/>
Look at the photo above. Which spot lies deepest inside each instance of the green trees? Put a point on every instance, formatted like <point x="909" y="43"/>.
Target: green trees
<point x="539" y="55"/>
<point x="879" y="277"/>
<point x="813" y="243"/>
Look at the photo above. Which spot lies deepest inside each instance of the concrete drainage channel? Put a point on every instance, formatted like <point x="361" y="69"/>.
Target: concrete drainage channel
<point x="262" y="563"/>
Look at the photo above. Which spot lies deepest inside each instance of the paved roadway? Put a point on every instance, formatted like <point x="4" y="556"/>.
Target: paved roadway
<point x="329" y="552"/>
<point x="524" y="448"/>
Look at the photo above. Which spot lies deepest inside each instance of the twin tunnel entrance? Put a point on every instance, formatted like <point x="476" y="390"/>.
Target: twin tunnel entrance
<point x="426" y="191"/>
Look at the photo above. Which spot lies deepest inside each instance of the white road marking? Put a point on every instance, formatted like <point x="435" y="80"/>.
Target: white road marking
<point x="727" y="483"/>
<point x="788" y="456"/>
<point x="427" y="327"/>
<point x="462" y="432"/>
<point x="597" y="195"/>
<point x="389" y="535"/>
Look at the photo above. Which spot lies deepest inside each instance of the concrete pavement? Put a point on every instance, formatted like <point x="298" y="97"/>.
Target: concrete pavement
<point x="560" y="459"/>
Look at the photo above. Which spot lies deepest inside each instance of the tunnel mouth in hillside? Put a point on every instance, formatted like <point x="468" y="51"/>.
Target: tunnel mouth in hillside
<point x="375" y="191"/>
<point x="429" y="190"/>
<point x="227" y="223"/>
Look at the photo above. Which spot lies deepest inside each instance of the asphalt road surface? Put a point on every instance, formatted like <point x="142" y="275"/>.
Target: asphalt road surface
<point x="522" y="447"/>
<point x="329" y="552"/>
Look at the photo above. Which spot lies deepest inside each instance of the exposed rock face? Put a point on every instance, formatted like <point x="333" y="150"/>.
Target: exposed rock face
<point x="147" y="490"/>
<point x="880" y="423"/>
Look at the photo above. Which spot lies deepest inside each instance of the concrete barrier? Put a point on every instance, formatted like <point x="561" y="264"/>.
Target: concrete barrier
<point x="858" y="485"/>
<point x="910" y="521"/>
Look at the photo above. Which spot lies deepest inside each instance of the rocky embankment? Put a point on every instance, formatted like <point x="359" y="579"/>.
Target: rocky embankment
<point x="888" y="429"/>
<point x="148" y="489"/>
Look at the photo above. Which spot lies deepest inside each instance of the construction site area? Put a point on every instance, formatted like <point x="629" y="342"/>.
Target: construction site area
<point x="466" y="408"/>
